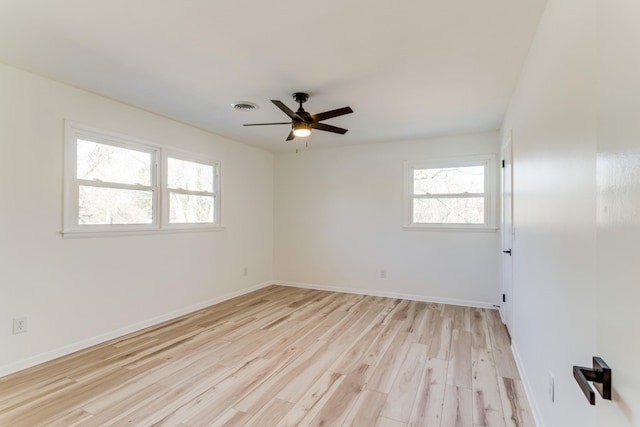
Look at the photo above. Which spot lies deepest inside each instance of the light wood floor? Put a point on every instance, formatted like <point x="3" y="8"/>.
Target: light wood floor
<point x="284" y="357"/>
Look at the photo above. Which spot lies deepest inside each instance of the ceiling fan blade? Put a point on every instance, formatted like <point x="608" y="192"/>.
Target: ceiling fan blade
<point x="288" y="111"/>
<point x="328" y="128"/>
<point x="265" y="124"/>
<point x="330" y="114"/>
<point x="291" y="136"/>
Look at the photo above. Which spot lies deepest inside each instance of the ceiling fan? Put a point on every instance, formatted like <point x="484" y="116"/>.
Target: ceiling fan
<point x="302" y="122"/>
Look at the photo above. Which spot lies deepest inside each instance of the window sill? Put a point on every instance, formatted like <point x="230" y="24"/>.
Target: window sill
<point x="73" y="234"/>
<point x="451" y="228"/>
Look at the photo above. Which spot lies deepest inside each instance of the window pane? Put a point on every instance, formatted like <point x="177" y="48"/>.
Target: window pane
<point x="457" y="180"/>
<point x="449" y="211"/>
<point x="112" y="164"/>
<point x="100" y="205"/>
<point x="190" y="176"/>
<point x="190" y="209"/>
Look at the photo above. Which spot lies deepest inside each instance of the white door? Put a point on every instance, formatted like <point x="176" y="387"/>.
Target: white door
<point x="507" y="234"/>
<point x="618" y="265"/>
<point x="617" y="310"/>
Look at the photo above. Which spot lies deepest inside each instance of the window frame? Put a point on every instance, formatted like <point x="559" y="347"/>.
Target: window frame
<point x="159" y="154"/>
<point x="490" y="191"/>
<point x="166" y="191"/>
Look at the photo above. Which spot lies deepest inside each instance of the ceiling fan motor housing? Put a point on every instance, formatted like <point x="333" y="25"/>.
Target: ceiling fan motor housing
<point x="301" y="97"/>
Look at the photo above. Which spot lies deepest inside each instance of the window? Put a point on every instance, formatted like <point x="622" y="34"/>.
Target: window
<point x="115" y="183"/>
<point x="451" y="194"/>
<point x="191" y="192"/>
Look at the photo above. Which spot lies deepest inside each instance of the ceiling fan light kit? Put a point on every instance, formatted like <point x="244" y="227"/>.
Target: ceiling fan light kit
<point x="302" y="122"/>
<point x="301" y="129"/>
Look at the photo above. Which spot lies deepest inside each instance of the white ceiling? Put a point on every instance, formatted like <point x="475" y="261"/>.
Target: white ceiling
<point x="409" y="68"/>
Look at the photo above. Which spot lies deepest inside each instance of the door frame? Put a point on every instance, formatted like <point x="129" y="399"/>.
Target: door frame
<point x="507" y="232"/>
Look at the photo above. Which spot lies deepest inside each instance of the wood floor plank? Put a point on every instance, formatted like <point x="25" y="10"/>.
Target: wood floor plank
<point x="174" y="397"/>
<point x="427" y="408"/>
<point x="273" y="385"/>
<point x="514" y="403"/>
<point x="311" y="402"/>
<point x="63" y="400"/>
<point x="501" y="346"/>
<point x="382" y="342"/>
<point x="457" y="409"/>
<point x="461" y="317"/>
<point x="388" y="422"/>
<point x="33" y="393"/>
<point x="231" y="418"/>
<point x="401" y="396"/>
<point x="220" y="396"/>
<point x="428" y="329"/>
<point x="459" y="373"/>
<point x="124" y="406"/>
<point x="337" y="407"/>
<point x="419" y="324"/>
<point x="309" y="376"/>
<point x="389" y="364"/>
<point x="70" y="419"/>
<point x="479" y="330"/>
<point x="366" y="410"/>
<point x="285" y="356"/>
<point x="367" y="344"/>
<point x="440" y="343"/>
<point x="272" y="413"/>
<point x="336" y="344"/>
<point x="487" y="403"/>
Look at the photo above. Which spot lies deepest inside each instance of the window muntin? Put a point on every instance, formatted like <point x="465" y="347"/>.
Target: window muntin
<point x="114" y="183"/>
<point x="450" y="194"/>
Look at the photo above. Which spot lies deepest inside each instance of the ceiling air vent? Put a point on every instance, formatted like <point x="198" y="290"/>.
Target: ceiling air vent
<point x="244" y="106"/>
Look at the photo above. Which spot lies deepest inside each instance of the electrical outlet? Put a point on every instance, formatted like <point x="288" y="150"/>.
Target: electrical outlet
<point x="245" y="271"/>
<point x="383" y="274"/>
<point x="19" y="325"/>
<point x="551" y="387"/>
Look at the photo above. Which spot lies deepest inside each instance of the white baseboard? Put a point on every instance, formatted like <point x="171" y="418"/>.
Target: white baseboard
<point x="413" y="297"/>
<point x="533" y="403"/>
<point x="500" y="310"/>
<point x="68" y="349"/>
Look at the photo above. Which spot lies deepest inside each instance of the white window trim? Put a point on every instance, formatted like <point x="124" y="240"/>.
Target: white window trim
<point x="489" y="160"/>
<point x="159" y="154"/>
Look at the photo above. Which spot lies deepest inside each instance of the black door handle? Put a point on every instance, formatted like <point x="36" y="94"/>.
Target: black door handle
<point x="507" y="252"/>
<point x="600" y="375"/>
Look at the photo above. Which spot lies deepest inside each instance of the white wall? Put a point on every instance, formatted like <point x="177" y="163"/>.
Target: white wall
<point x="552" y="115"/>
<point x="338" y="218"/>
<point x="618" y="214"/>
<point x="74" y="290"/>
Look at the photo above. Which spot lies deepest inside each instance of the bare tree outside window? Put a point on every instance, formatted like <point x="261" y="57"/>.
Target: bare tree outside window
<point x="453" y="195"/>
<point x="112" y="184"/>
<point x="191" y="192"/>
